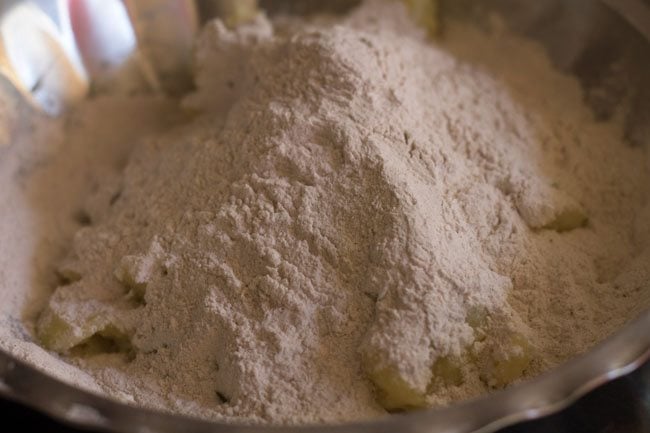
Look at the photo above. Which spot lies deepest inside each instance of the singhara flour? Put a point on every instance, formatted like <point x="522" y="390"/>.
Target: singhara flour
<point x="357" y="220"/>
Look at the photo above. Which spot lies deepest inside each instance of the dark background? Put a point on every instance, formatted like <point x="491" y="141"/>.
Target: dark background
<point x="622" y="406"/>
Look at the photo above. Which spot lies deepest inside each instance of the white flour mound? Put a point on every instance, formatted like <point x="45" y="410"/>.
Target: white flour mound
<point x="350" y="194"/>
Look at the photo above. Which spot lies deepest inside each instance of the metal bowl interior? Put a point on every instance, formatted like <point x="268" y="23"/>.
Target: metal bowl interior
<point x="605" y="44"/>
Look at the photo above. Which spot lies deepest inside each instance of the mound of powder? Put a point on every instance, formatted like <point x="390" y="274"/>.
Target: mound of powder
<point x="354" y="201"/>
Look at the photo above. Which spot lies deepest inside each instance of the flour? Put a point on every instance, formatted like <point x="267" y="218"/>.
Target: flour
<point x="354" y="200"/>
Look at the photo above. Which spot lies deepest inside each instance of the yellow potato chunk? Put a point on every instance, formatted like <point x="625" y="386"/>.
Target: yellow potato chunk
<point x="504" y="359"/>
<point x="134" y="272"/>
<point x="394" y="393"/>
<point x="108" y="340"/>
<point x="397" y="394"/>
<point x="547" y="207"/>
<point x="236" y="12"/>
<point x="425" y="13"/>
<point x="499" y="354"/>
<point x="567" y="220"/>
<point x="60" y="335"/>
<point x="55" y="333"/>
<point x="477" y="317"/>
<point x="448" y="371"/>
<point x="86" y="335"/>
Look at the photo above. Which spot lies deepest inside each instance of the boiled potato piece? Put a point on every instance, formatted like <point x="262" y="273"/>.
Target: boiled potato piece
<point x="567" y="220"/>
<point x="133" y="275"/>
<point x="502" y="355"/>
<point x="57" y="334"/>
<point x="425" y="13"/>
<point x="477" y="317"/>
<point x="394" y="393"/>
<point x="236" y="12"/>
<point x="109" y="340"/>
<point x="90" y="333"/>
<point x="545" y="206"/>
<point x="60" y="335"/>
<point x="447" y="370"/>
<point x="504" y="359"/>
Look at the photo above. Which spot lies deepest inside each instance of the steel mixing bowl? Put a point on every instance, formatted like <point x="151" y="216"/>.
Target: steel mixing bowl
<point x="605" y="43"/>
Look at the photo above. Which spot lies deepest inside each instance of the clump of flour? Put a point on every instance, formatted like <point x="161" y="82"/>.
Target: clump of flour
<point x="352" y="197"/>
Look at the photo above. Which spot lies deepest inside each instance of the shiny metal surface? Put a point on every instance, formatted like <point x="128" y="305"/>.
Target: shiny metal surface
<point x="39" y="57"/>
<point x="604" y="43"/>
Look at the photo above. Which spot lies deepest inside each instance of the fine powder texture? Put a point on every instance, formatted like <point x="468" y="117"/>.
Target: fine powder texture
<point x="355" y="210"/>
